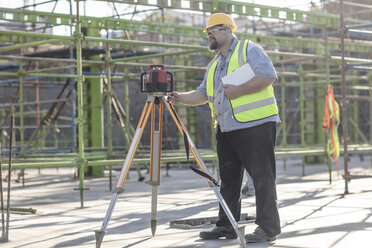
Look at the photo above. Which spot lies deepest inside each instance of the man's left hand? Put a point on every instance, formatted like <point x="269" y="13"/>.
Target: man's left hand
<point x="232" y="91"/>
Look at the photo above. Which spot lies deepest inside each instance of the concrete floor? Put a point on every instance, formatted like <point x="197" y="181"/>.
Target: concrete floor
<point x="313" y="212"/>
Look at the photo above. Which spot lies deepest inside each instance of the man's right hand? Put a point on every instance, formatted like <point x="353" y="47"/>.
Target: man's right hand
<point x="173" y="97"/>
<point x="192" y="98"/>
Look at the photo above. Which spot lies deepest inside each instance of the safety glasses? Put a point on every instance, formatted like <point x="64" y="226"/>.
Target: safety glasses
<point x="214" y="30"/>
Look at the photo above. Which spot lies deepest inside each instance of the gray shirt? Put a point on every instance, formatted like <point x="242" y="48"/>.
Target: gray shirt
<point x="262" y="67"/>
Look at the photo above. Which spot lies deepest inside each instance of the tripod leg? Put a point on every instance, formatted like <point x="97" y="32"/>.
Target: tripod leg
<point x="124" y="172"/>
<point x="239" y="230"/>
<point x="155" y="164"/>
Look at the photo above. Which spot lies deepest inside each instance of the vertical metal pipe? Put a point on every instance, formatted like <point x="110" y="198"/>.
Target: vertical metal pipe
<point x="302" y="114"/>
<point x="283" y="117"/>
<point x="6" y="238"/>
<point x="21" y="74"/>
<point x="370" y="110"/>
<point x="109" y="99"/>
<point x="354" y="131"/>
<point x="79" y="71"/>
<point x="73" y="95"/>
<point x="2" y="196"/>
<point x="37" y="98"/>
<point x="126" y="107"/>
<point x="162" y="39"/>
<point x="327" y="58"/>
<point x="3" y="119"/>
<point x="21" y="106"/>
<point x="344" y="103"/>
<point x="126" y="101"/>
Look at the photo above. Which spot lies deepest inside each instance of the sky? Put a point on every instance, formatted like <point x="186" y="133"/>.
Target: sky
<point x="105" y="9"/>
<point x="100" y="8"/>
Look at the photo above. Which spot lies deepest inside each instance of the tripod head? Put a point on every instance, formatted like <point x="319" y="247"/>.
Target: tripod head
<point x="156" y="79"/>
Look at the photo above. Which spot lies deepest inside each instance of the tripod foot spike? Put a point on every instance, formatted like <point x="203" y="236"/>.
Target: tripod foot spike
<point x="99" y="237"/>
<point x="153" y="227"/>
<point x="240" y="232"/>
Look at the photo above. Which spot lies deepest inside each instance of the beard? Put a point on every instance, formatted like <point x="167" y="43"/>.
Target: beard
<point x="213" y="45"/>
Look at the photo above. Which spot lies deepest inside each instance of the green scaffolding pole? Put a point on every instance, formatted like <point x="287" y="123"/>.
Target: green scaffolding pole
<point x="30" y="44"/>
<point x="21" y="107"/>
<point x="127" y="109"/>
<point x="155" y="55"/>
<point x="94" y="132"/>
<point x="126" y="105"/>
<point x="206" y="156"/>
<point x="21" y="118"/>
<point x="108" y="105"/>
<point x="109" y="100"/>
<point x="79" y="98"/>
<point x="335" y="78"/>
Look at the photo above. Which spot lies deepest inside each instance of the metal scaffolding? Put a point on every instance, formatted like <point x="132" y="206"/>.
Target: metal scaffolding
<point x="72" y="94"/>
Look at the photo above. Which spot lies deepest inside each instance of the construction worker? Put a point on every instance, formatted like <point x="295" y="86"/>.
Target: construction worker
<point x="245" y="118"/>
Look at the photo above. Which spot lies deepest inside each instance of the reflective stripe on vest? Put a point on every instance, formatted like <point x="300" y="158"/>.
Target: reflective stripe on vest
<point x="254" y="105"/>
<point x="249" y="107"/>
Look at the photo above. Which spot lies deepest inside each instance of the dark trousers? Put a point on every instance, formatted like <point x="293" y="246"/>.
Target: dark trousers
<point x="251" y="149"/>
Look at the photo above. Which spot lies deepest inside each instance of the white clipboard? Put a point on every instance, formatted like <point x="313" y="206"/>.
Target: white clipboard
<point x="240" y="76"/>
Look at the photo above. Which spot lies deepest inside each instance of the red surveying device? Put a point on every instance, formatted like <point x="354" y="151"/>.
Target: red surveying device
<point x="156" y="81"/>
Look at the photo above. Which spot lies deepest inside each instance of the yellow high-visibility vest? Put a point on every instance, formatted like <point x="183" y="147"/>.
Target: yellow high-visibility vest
<point x="245" y="108"/>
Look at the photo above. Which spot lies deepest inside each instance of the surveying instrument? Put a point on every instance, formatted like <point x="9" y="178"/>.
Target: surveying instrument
<point x="157" y="82"/>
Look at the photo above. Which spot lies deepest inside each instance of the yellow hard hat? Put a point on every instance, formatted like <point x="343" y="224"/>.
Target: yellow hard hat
<point x="218" y="19"/>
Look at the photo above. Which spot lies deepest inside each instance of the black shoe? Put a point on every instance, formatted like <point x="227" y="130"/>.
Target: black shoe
<point x="258" y="236"/>
<point x="218" y="232"/>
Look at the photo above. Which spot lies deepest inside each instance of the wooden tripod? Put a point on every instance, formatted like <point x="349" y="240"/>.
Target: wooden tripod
<point x="157" y="99"/>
